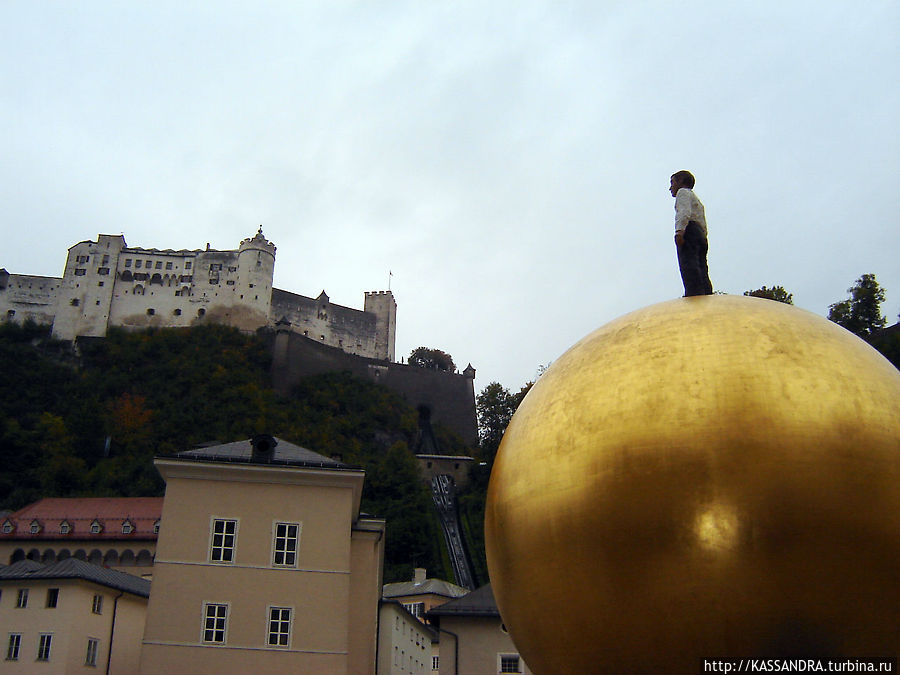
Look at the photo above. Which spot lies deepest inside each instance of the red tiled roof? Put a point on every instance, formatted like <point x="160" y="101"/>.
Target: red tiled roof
<point x="80" y="513"/>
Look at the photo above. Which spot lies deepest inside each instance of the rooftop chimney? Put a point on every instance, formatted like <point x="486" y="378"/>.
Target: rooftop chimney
<point x="263" y="448"/>
<point x="419" y="576"/>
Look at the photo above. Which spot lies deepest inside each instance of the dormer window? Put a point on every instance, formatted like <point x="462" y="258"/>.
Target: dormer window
<point x="96" y="527"/>
<point x="156" y="527"/>
<point x="35" y="527"/>
<point x="7" y="527"/>
<point x="127" y="527"/>
<point x="64" y="527"/>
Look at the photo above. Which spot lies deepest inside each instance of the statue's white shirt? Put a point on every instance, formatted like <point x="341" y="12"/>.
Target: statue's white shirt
<point x="688" y="208"/>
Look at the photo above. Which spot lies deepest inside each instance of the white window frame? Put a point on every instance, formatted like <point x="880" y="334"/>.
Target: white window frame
<point x="97" y="604"/>
<point x="93" y="648"/>
<point x="270" y="620"/>
<point x="13" y="645"/>
<point x="435" y="662"/>
<point x="45" y="646"/>
<point x="22" y="598"/>
<point x="65" y="527"/>
<point x="206" y="617"/>
<point x="285" y="551"/>
<point x="509" y="655"/>
<point x="212" y="539"/>
<point x="127" y="527"/>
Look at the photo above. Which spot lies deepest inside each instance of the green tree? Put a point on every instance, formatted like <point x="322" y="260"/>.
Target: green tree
<point x="435" y="359"/>
<point x="776" y="293"/>
<point x="861" y="312"/>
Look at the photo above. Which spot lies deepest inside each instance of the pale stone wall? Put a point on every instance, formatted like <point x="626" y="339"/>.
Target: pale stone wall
<point x="404" y="643"/>
<point x="25" y="297"/>
<point x="481" y="642"/>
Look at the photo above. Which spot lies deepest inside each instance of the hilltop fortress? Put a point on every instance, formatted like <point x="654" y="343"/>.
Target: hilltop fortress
<point x="107" y="283"/>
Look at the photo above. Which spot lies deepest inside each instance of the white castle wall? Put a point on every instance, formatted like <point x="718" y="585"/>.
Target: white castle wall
<point x="106" y="283"/>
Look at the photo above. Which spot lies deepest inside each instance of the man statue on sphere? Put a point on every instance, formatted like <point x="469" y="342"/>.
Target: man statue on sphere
<point x="690" y="235"/>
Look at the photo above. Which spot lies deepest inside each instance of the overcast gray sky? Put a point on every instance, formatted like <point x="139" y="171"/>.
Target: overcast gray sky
<point x="507" y="161"/>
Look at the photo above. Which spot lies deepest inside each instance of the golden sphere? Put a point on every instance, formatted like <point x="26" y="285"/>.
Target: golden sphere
<point x="708" y="477"/>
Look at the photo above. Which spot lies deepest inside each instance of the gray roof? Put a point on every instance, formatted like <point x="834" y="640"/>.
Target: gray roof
<point x="432" y="586"/>
<point x="72" y="568"/>
<point x="479" y="602"/>
<point x="284" y="454"/>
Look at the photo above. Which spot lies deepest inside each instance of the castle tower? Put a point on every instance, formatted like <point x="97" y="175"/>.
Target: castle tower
<point x="384" y="307"/>
<point x="253" y="290"/>
<point x="86" y="294"/>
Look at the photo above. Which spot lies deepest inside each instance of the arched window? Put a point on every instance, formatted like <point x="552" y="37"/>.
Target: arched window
<point x="126" y="276"/>
<point x="138" y="290"/>
<point x="156" y="279"/>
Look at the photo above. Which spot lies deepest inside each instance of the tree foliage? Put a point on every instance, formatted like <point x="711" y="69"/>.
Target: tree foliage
<point x="776" y="293"/>
<point x="90" y="426"/>
<point x="861" y="312"/>
<point x="434" y="359"/>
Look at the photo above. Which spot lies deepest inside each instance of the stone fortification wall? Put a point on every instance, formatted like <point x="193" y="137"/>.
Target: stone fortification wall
<point x="445" y="398"/>
<point x="25" y="297"/>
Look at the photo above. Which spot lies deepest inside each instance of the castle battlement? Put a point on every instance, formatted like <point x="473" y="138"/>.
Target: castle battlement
<point x="107" y="283"/>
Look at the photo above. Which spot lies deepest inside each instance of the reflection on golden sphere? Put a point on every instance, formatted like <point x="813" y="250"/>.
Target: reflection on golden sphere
<point x="709" y="477"/>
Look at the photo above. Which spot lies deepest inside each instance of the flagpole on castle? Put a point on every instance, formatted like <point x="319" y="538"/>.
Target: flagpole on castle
<point x="390" y="274"/>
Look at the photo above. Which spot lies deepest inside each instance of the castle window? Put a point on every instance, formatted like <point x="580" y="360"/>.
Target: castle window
<point x="127" y="527"/>
<point x="215" y="618"/>
<point x="186" y="278"/>
<point x="149" y="264"/>
<point x="97" y="303"/>
<point x="105" y="260"/>
<point x="35" y="527"/>
<point x="7" y="527"/>
<point x="201" y="312"/>
<point x="168" y="265"/>
<point x="138" y="264"/>
<point x="279" y="626"/>
<point x="223" y="540"/>
<point x="251" y="285"/>
<point x="187" y="265"/>
<point x="150" y="311"/>
<point x="287" y="536"/>
<point x="138" y="290"/>
<point x="230" y="282"/>
<point x="99" y="283"/>
<point x="80" y="272"/>
<point x="177" y="312"/>
<point x="126" y="276"/>
<point x="64" y="527"/>
<point x="10" y="313"/>
<point x="232" y="269"/>
<point x="75" y="302"/>
<point x="96" y="527"/>
<point x="159" y="264"/>
<point x="103" y="271"/>
<point x="127" y="262"/>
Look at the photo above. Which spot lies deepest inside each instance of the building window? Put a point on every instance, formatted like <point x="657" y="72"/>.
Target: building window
<point x="224" y="534"/>
<point x="149" y="264"/>
<point x="151" y="311"/>
<point x="230" y="282"/>
<point x="75" y="302"/>
<point x="176" y="312"/>
<point x="97" y="604"/>
<point x="96" y="527"/>
<point x="82" y="259"/>
<point x="156" y="527"/>
<point x="138" y="264"/>
<point x="44" y="647"/>
<point x="22" y="599"/>
<point x="187" y="265"/>
<point x="214" y="623"/>
<point x="509" y="663"/>
<point x="286" y="538"/>
<point x="201" y="312"/>
<point x="90" y="659"/>
<point x="415" y="608"/>
<point x="99" y="283"/>
<point x="279" y="626"/>
<point x="168" y="265"/>
<point x="79" y="272"/>
<point x="10" y="313"/>
<point x="127" y="527"/>
<point x="35" y="527"/>
<point x="435" y="662"/>
<point x="7" y="527"/>
<point x="12" y="649"/>
<point x="52" y="597"/>
<point x="103" y="271"/>
<point x="127" y="262"/>
<point x="64" y="527"/>
<point x="159" y="264"/>
<point x="105" y="260"/>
